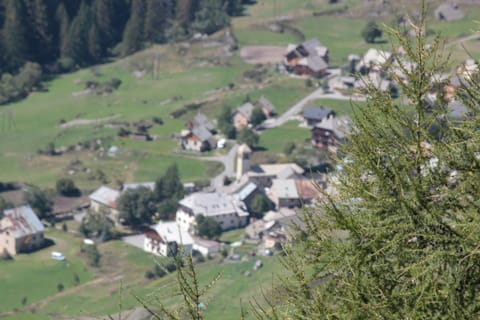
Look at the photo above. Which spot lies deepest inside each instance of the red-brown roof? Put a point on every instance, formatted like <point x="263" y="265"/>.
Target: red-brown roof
<point x="306" y="189"/>
<point x="152" y="234"/>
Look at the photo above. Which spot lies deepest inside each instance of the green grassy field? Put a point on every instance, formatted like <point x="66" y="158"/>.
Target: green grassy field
<point x="125" y="267"/>
<point x="275" y="140"/>
<point x="341" y="107"/>
<point x="198" y="75"/>
<point x="36" y="276"/>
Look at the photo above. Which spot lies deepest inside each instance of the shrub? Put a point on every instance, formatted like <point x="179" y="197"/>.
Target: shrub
<point x="66" y="64"/>
<point x="60" y="287"/>
<point x="76" y="279"/>
<point x="92" y="255"/>
<point x="66" y="187"/>
<point x="171" y="266"/>
<point x="200" y="259"/>
<point x="159" y="271"/>
<point x="157" y="120"/>
<point x="149" y="275"/>
<point x="289" y="148"/>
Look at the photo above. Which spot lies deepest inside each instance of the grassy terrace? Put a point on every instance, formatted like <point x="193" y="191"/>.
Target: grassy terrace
<point x="195" y="76"/>
<point x="35" y="276"/>
<point x="198" y="75"/>
<point x="121" y="276"/>
<point x="275" y="140"/>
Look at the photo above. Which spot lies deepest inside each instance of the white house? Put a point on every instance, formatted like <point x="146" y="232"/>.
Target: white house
<point x="165" y="238"/>
<point x="227" y="210"/>
<point x="206" y="247"/>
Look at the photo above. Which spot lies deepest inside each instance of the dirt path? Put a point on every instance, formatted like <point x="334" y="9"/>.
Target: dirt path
<point x="474" y="36"/>
<point x="83" y="122"/>
<point x="262" y="54"/>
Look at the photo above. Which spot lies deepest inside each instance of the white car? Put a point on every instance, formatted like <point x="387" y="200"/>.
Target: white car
<point x="57" y="256"/>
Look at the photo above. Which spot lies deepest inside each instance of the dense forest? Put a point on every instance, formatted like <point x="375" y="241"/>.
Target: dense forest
<point x="60" y="35"/>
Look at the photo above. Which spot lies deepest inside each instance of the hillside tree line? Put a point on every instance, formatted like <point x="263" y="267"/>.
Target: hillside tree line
<point x="60" y="35"/>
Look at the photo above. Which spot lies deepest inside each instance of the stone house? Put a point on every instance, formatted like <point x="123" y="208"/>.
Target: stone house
<point x="20" y="231"/>
<point x="105" y="198"/>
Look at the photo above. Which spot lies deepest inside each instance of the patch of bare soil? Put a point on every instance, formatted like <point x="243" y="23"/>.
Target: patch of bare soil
<point x="83" y="122"/>
<point x="262" y="54"/>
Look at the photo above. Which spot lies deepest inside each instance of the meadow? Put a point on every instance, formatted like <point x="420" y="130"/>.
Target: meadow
<point x="31" y="277"/>
<point x="185" y="75"/>
<point x="120" y="278"/>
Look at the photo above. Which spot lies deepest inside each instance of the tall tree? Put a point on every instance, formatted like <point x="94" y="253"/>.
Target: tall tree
<point x="184" y="12"/>
<point x="169" y="186"/>
<point x="94" y="43"/>
<point x="133" y="35"/>
<point x="40" y="202"/>
<point x="42" y="32"/>
<point x="104" y="11"/>
<point x="136" y="206"/>
<point x="156" y="20"/>
<point x="211" y="16"/>
<point x="63" y="22"/>
<point x="408" y="201"/>
<point x="15" y="34"/>
<point x="76" y="46"/>
<point x="234" y="7"/>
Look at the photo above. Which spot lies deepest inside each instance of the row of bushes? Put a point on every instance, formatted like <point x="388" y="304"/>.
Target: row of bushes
<point x="18" y="86"/>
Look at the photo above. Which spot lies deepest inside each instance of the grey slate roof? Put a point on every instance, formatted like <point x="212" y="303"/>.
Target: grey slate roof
<point x="457" y="109"/>
<point x="448" y="12"/>
<point x="211" y="204"/>
<point x="316" y="63"/>
<point x="202" y="133"/>
<point x="311" y="46"/>
<point x="21" y="222"/>
<point x="316" y="113"/>
<point x="202" y="120"/>
<point x="265" y="103"/>
<point x="135" y="185"/>
<point x="106" y="196"/>
<point x="246" y="109"/>
<point x="246" y="191"/>
<point x="284" y="189"/>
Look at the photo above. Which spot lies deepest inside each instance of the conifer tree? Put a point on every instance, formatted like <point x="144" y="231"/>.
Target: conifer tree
<point x="210" y="17"/>
<point x="133" y="35"/>
<point x="15" y="34"/>
<point x="63" y="21"/>
<point x="104" y="11"/>
<point x="234" y="7"/>
<point x="156" y="20"/>
<point x="408" y="204"/>
<point x="94" y="43"/>
<point x="184" y="12"/>
<point x="76" y="44"/>
<point x="43" y="36"/>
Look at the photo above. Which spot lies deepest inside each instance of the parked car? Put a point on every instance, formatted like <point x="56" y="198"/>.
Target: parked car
<point x="268" y="252"/>
<point x="57" y="256"/>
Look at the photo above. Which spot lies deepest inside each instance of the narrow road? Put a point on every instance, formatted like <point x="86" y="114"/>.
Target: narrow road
<point x="228" y="161"/>
<point x="296" y="108"/>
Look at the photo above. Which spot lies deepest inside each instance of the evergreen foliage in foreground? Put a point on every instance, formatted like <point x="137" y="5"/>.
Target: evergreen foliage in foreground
<point x="408" y="201"/>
